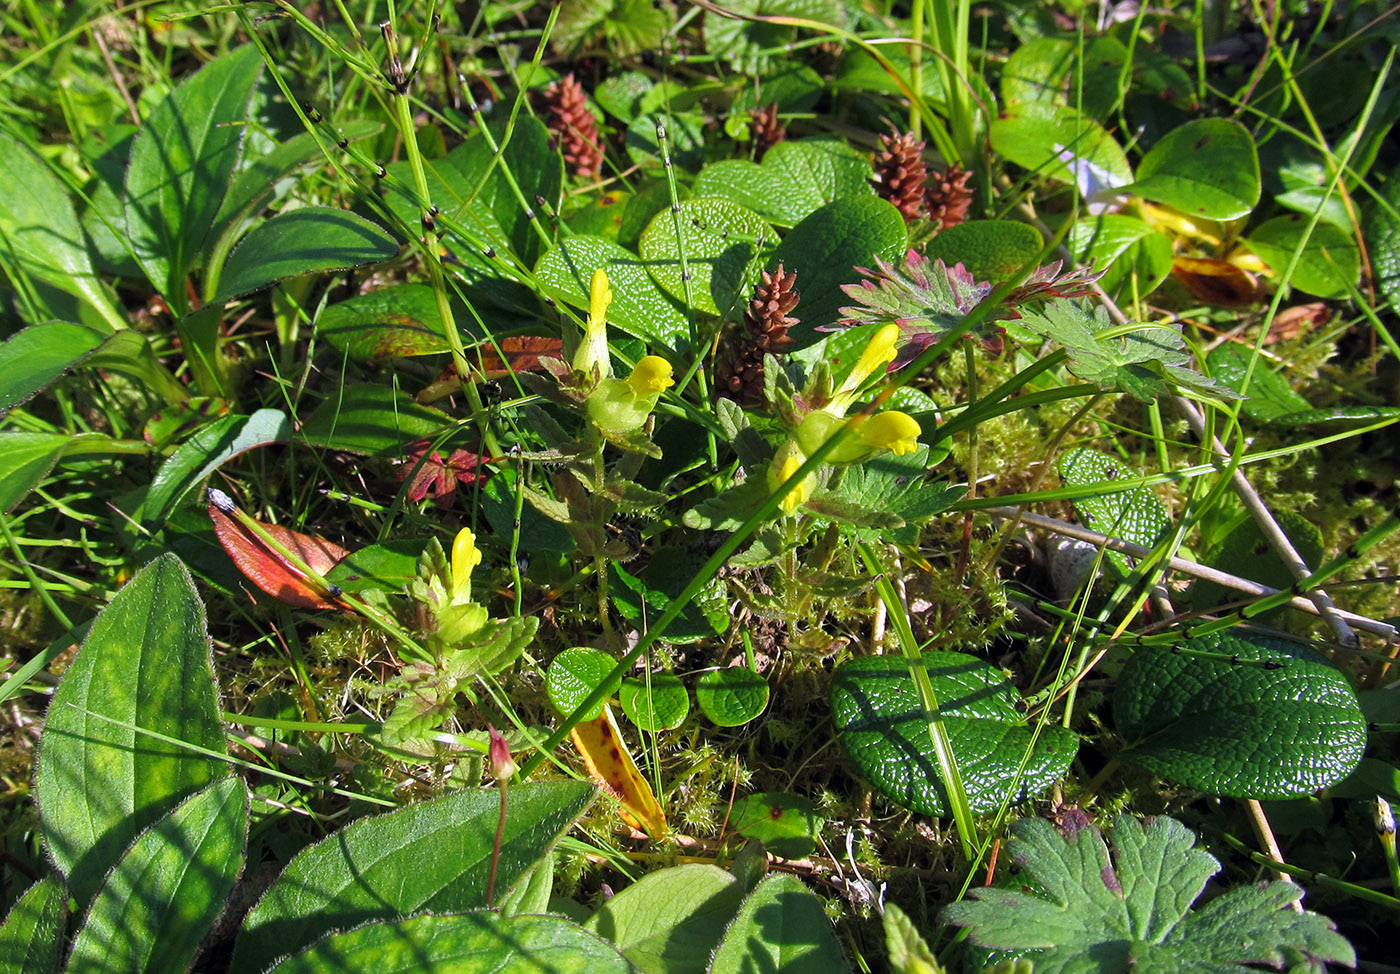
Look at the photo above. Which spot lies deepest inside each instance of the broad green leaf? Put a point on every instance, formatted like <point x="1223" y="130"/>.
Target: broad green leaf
<point x="1207" y="167"/>
<point x="620" y="95"/>
<point x="1328" y="265"/>
<point x="781" y="928"/>
<point x="753" y="46"/>
<point x="32" y="359"/>
<point x="669" y="921"/>
<point x="538" y="534"/>
<point x="1283" y="727"/>
<point x="795" y="179"/>
<point x="25" y="460"/>
<point x="32" y="938"/>
<point x="574" y="674"/>
<point x="41" y="232"/>
<point x="668" y="573"/>
<point x="372" y="419"/>
<point x="433" y="856"/>
<point x="181" y="164"/>
<point x="469" y="942"/>
<point x="144" y="666"/>
<point x="657" y="703"/>
<point x="884" y="729"/>
<point x="1037" y="71"/>
<point x="393" y="322"/>
<point x="1134" y="514"/>
<point x="1132" y="253"/>
<point x="731" y="696"/>
<point x="1383" y="230"/>
<point x="1244" y="552"/>
<point x="531" y="893"/>
<point x="623" y="27"/>
<point x="389" y="565"/>
<point x="165" y="893"/>
<point x="992" y="250"/>
<point x="788" y="825"/>
<point x="1079" y="910"/>
<point x="205" y="452"/>
<point x="826" y="248"/>
<point x="1057" y="141"/>
<point x="1269" y="395"/>
<point x="639" y="306"/>
<point x="723" y="244"/>
<point x="303" y="241"/>
<point x="685" y="138"/>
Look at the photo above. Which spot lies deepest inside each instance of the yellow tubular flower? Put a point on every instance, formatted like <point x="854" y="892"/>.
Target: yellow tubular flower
<point x="784" y="465"/>
<point x="593" y="350"/>
<point x="465" y="557"/>
<point x="892" y="430"/>
<point x="879" y="353"/>
<point x="651" y="376"/>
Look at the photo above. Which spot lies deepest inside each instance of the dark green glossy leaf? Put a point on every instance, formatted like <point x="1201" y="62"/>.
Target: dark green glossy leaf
<point x="574" y="674"/>
<point x="723" y="245"/>
<point x="1207" y="167"/>
<point x="1383" y="230"/>
<point x="731" y="696"/>
<point x="302" y="241"/>
<point x="795" y="179"/>
<point x="1134" y="514"/>
<point x="462" y="943"/>
<point x="181" y="164"/>
<point x="647" y="596"/>
<point x="32" y="937"/>
<point x="205" y="452"/>
<point x="1245" y="552"/>
<point x="657" y="703"/>
<point x="371" y="419"/>
<point x="788" y="825"/>
<point x="1245" y="731"/>
<point x="639" y="305"/>
<point x="884" y="729"/>
<point x="393" y="322"/>
<point x="992" y="250"/>
<point x="781" y="928"/>
<point x="669" y="921"/>
<point x="144" y="666"/>
<point x="433" y="856"/>
<point x="165" y="893"/>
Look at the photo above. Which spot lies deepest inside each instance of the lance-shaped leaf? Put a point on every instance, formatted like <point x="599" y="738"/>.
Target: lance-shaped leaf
<point x="267" y="568"/>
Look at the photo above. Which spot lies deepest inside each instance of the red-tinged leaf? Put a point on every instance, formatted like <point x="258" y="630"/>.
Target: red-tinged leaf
<point x="268" y="570"/>
<point x="437" y="476"/>
<point x="611" y="765"/>
<point x="522" y="354"/>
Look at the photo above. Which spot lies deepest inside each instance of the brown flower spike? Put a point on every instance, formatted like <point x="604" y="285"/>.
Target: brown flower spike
<point x="900" y="174"/>
<point x="948" y="198"/>
<point x="574" y="127"/>
<point x="766" y="130"/>
<point x="766" y="322"/>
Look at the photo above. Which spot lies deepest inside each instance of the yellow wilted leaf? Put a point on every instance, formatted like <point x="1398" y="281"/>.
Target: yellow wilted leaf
<point x="611" y="765"/>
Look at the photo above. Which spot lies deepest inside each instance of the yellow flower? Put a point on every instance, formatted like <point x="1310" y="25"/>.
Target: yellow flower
<point x="465" y="557"/>
<point x="651" y="376"/>
<point x="892" y="430"/>
<point x="593" y="350"/>
<point x="879" y="352"/>
<point x="784" y="465"/>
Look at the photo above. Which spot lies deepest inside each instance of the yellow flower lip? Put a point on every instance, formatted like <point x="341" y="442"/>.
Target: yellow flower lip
<point x="892" y="430"/>
<point x="878" y="353"/>
<point x="465" y="557"/>
<point x="651" y="376"/>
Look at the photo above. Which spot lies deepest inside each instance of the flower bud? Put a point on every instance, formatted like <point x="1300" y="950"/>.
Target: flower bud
<point x="503" y="767"/>
<point x="651" y="377"/>
<point x="593" y="350"/>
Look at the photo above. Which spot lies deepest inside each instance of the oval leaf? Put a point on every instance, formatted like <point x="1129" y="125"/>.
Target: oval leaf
<point x="1059" y="142"/>
<point x="1221" y="725"/>
<point x="1207" y="167"/>
<point x="372" y="419"/>
<point x="144" y="667"/>
<point x="722" y="243"/>
<point x="787" y="825"/>
<point x="574" y="674"/>
<point x="662" y="705"/>
<point x="304" y="241"/>
<point x="205" y="452"/>
<point x="639" y="306"/>
<point x="672" y="919"/>
<point x="883" y="727"/>
<point x="992" y="250"/>
<point x="780" y="928"/>
<point x="1329" y="264"/>
<point x="393" y="322"/>
<point x="731" y="696"/>
<point x="794" y="180"/>
<point x="431" y="856"/>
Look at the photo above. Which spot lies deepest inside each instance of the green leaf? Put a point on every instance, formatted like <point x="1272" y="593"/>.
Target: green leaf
<point x="1329" y="264"/>
<point x="433" y="856"/>
<point x="620" y="95"/>
<point x="468" y="942"/>
<point x="388" y="566"/>
<point x="781" y="928"/>
<point x="897" y="485"/>
<point x="685" y="138"/>
<point x="1072" y="903"/>
<point x="41" y="232"/>
<point x="991" y="250"/>
<point x="1269" y="395"/>
<point x="303" y="241"/>
<point x="574" y="674"/>
<point x="795" y="179"/>
<point x="755" y="47"/>
<point x="1245" y="552"/>
<point x="1383" y="230"/>
<point x="1134" y="514"/>
<point x="26" y="459"/>
<point x="665" y="579"/>
<point x="731" y="696"/>
<point x="657" y="703"/>
<point x="884" y="729"/>
<point x="909" y="953"/>
<point x="1037" y="71"/>
<point x="639" y="305"/>
<point x="35" y="357"/>
<point x="1047" y="139"/>
<point x="165" y="893"/>
<point x="205" y="452"/>
<point x="788" y="825"/>
<point x="1207" y="167"/>
<point x="393" y="322"/>
<point x="1220" y="725"/>
<point x="372" y="419"/>
<point x="144" y="666"/>
<point x="32" y="937"/>
<point x="723" y="244"/>
<point x="1131" y="252"/>
<point x="669" y="921"/>
<point x="181" y="164"/>
<point x="824" y="250"/>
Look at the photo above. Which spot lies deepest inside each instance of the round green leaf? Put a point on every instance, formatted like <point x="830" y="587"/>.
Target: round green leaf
<point x="574" y="674"/>
<point x="393" y="322"/>
<point x="662" y="706"/>
<point x="1207" y="167"/>
<point x="795" y="179"/>
<point x="786" y="824"/>
<point x="723" y="244"/>
<point x="884" y="729"/>
<point x="671" y="920"/>
<point x="639" y="306"/>
<point x="1047" y="138"/>
<point x="1328" y="265"/>
<point x="1223" y="726"/>
<point x="482" y="941"/>
<point x="992" y="250"/>
<point x="731" y="696"/>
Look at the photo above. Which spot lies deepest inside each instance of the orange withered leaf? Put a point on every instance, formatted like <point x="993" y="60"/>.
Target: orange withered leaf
<point x="1217" y="282"/>
<point x="267" y="568"/>
<point x="611" y="765"/>
<point x="522" y="352"/>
